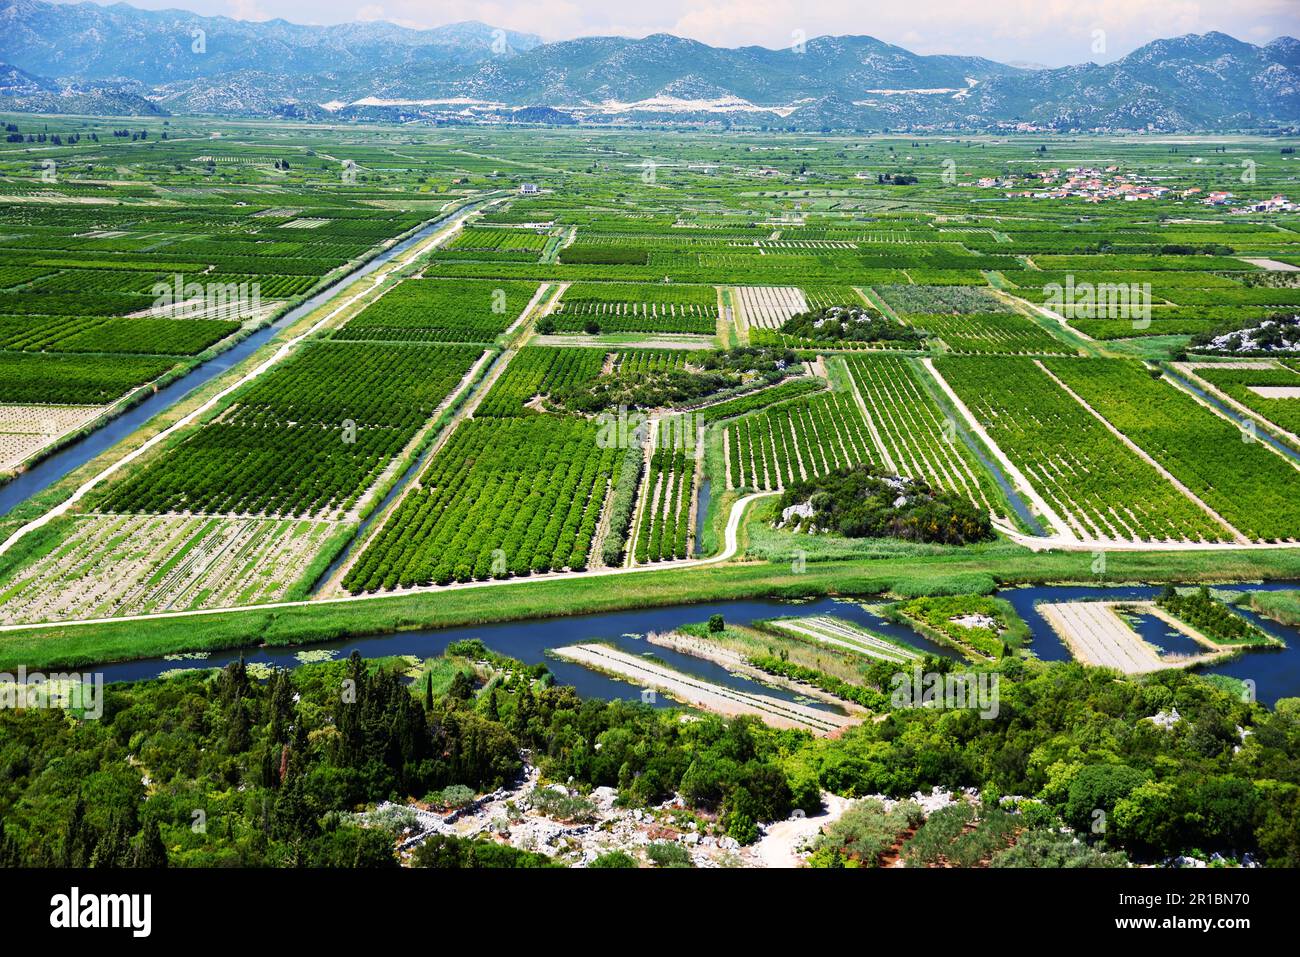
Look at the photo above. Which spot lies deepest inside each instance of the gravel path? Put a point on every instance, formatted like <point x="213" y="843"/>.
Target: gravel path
<point x="779" y="846"/>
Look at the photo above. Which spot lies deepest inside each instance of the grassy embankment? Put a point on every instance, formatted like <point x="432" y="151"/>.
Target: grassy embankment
<point x="957" y="572"/>
<point x="1281" y="606"/>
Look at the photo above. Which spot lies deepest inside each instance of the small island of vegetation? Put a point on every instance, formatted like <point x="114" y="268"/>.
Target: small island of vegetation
<point x="714" y="374"/>
<point x="860" y="502"/>
<point x="849" y="323"/>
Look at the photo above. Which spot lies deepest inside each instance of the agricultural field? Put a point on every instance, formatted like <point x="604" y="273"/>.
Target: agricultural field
<point x="622" y="307"/>
<point x="820" y="297"/>
<point x="796" y="440"/>
<point x="110" y="565"/>
<point x="789" y="389"/>
<point x="1098" y="487"/>
<point x="59" y="380"/>
<point x="505" y="496"/>
<point x="969" y="319"/>
<point x="703" y="694"/>
<point x="654" y="360"/>
<point x="537" y="372"/>
<point x="768" y="307"/>
<point x="103" y="334"/>
<point x="664" y="530"/>
<point x="916" y="437"/>
<point x="1102" y="634"/>
<point x="307" y="439"/>
<point x="26" y="429"/>
<point x="139" y="257"/>
<point x="504" y="245"/>
<point x="1244" y="480"/>
<point x="441" y="310"/>
<point x="439" y="383"/>
<point x="1270" y="392"/>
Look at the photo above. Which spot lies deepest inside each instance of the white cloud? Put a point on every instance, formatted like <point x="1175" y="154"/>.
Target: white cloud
<point x="248" y="10"/>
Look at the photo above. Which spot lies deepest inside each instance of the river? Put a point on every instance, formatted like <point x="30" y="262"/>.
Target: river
<point x="1276" y="673"/>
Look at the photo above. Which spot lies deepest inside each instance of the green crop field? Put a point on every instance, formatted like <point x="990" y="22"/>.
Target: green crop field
<point x="441" y="310"/>
<point x="621" y="307"/>
<point x="1023" y="349"/>
<point x="525" y="491"/>
<point x="826" y="401"/>
<point x="794" y="440"/>
<point x="1098" y="486"/>
<point x="305" y="439"/>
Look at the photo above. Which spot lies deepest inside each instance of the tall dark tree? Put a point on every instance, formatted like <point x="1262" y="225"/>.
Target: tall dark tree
<point x="114" y="846"/>
<point x="462" y="688"/>
<point x="79" y="839"/>
<point x="11" y="854"/>
<point x="149" y="851"/>
<point x="281" y="706"/>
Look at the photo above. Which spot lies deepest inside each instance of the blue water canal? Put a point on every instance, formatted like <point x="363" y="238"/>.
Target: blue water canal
<point x="53" y="468"/>
<point x="1276" y="673"/>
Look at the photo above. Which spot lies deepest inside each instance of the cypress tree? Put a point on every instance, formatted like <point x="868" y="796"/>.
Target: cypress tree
<point x="113" y="848"/>
<point x="79" y="839"/>
<point x="462" y="689"/>
<point x="281" y="706"/>
<point x="149" y="851"/>
<point x="10" y="854"/>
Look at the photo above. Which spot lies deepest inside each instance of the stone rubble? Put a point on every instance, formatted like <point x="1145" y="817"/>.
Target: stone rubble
<point x="507" y="815"/>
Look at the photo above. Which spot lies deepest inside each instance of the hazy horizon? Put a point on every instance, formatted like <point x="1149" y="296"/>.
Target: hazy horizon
<point x="1047" y="32"/>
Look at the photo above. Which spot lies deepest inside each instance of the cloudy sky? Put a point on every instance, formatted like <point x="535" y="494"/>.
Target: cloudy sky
<point x="1049" y="32"/>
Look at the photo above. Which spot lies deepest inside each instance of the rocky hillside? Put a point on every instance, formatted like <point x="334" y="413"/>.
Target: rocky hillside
<point x="129" y="59"/>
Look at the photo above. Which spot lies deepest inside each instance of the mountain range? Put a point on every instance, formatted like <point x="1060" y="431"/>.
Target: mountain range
<point x="119" y="60"/>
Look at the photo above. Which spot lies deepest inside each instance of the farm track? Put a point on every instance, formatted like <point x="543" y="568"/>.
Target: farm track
<point x="479" y="385"/>
<point x="731" y="547"/>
